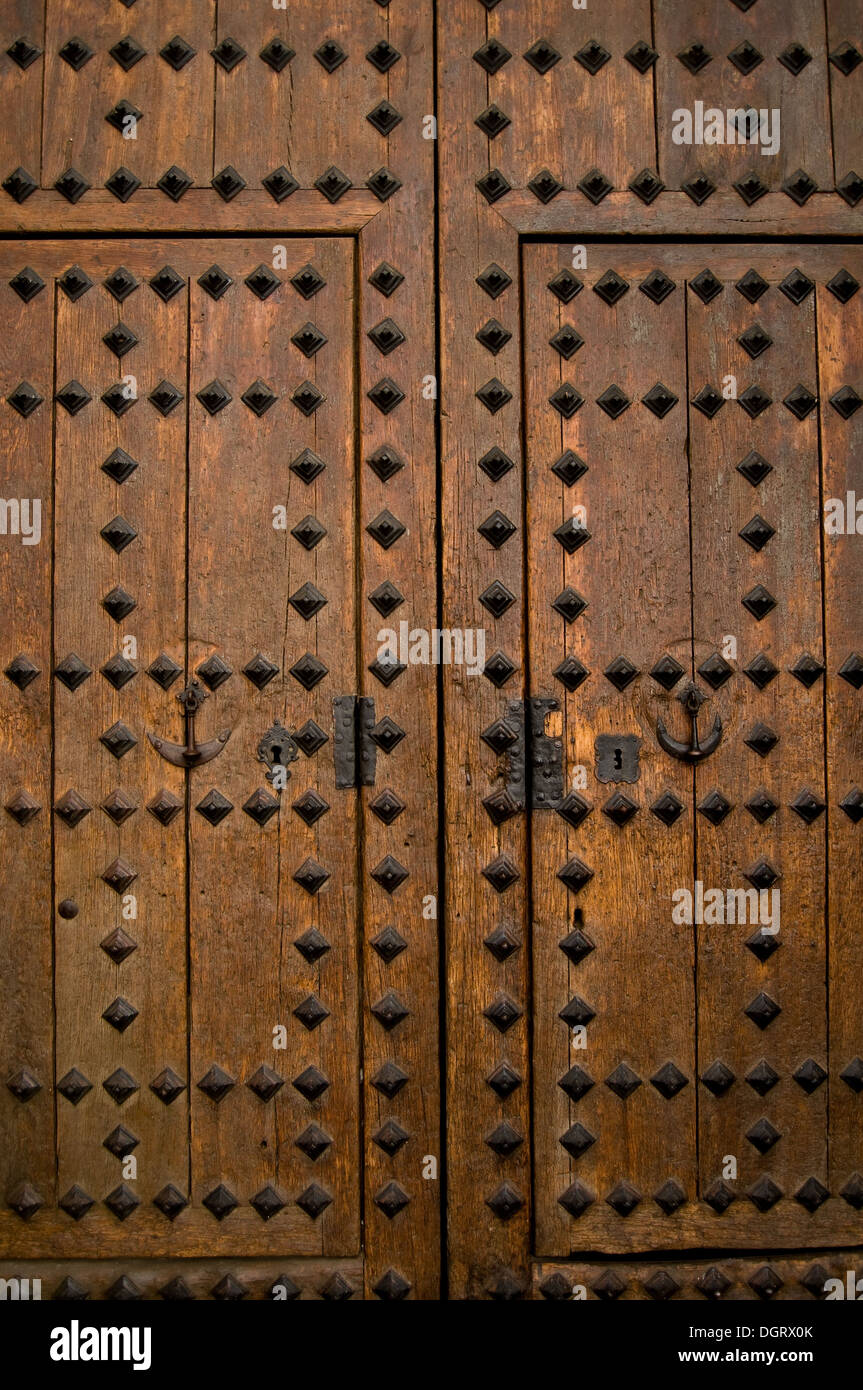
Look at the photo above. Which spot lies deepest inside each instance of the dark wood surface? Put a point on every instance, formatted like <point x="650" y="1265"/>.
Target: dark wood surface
<point x="215" y="967"/>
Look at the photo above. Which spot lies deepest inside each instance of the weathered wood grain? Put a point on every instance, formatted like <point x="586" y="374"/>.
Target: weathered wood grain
<point x="150" y="909"/>
<point x="300" y="1279"/>
<point x="733" y="1280"/>
<point x="846" y="88"/>
<point x="262" y="116"/>
<point x="26" y="938"/>
<point x="21" y="89"/>
<point x="483" y="1248"/>
<point x="409" y="1242"/>
<point x="246" y="910"/>
<point x="638" y="977"/>
<point x="176" y="124"/>
<point x="802" y="100"/>
<point x="840" y="364"/>
<point x="202" y="212"/>
<point x="568" y="120"/>
<point x="724" y="214"/>
<point x="725" y="569"/>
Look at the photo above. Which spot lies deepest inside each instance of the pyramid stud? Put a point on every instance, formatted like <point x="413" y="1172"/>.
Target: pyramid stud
<point x="120" y="1014"/>
<point x="718" y="1078"/>
<point x="25" y="399"/>
<point x="577" y="1198"/>
<point x="228" y="54"/>
<point x="311" y="1083"/>
<point x="751" y="187"/>
<point x="170" y="1202"/>
<point x="699" y="187"/>
<point x="27" y="284"/>
<point x="311" y="876"/>
<point x="592" y="57"/>
<point x="623" y="1081"/>
<point x="846" y="58"/>
<point x="492" y="56"/>
<point x="165" y="397"/>
<point x="214" y="672"/>
<point x="565" y="286"/>
<point x="167" y="1086"/>
<point x="220" y="1202"/>
<point x="611" y="287"/>
<point x="75" y="1202"/>
<point x="759" y="601"/>
<point x="23" y="53"/>
<point x="492" y="121"/>
<point x="72" y="671"/>
<point x="575" y="875"/>
<point x="333" y="183"/>
<point x="624" y="1198"/>
<point x="667" y="808"/>
<point x="123" y="183"/>
<point x="73" y="1087"/>
<point x="265" y="1083"/>
<point x="695" y="57"/>
<point x="216" y="1083"/>
<point x="389" y="943"/>
<point x="71" y="808"/>
<point x="73" y="397"/>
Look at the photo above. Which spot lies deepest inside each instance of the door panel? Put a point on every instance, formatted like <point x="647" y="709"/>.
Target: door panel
<point x="706" y="1042"/>
<point x="637" y="970"/>
<point x="171" y="556"/>
<point x="277" y="609"/>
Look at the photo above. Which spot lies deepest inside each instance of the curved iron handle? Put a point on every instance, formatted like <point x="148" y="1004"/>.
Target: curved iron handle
<point x="695" y="751"/>
<point x="192" y="753"/>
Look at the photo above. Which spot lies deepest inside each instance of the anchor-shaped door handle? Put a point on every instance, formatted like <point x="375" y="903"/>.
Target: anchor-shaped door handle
<point x="192" y="753"/>
<point x="695" y="751"/>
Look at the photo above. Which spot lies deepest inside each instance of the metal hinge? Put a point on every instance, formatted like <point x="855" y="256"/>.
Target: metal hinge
<point x="354" y="751"/>
<point x="535" y="760"/>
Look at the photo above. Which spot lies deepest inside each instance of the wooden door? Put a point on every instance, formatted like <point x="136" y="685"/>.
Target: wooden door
<point x="184" y="1032"/>
<point x="665" y="805"/>
<point x="324" y="323"/>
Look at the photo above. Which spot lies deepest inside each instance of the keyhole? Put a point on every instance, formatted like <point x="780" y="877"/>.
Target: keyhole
<point x="276" y="752"/>
<point x="618" y="760"/>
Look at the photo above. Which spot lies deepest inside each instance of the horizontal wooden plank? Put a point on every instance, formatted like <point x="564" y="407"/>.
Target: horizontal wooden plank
<point x="200" y="210"/>
<point x="747" y="1280"/>
<point x="329" y="1280"/>
<point x="674" y="213"/>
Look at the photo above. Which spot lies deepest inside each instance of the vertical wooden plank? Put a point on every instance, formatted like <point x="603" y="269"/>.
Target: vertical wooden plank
<point x="176" y="104"/>
<point x="840" y="366"/>
<point x="620" y="1007"/>
<point x="487" y="1251"/>
<point x="139" y="855"/>
<point x="338" y="85"/>
<point x="790" y="971"/>
<point x="402" y="1247"/>
<point x="570" y="119"/>
<point x="26" y="1115"/>
<point x="248" y="908"/>
<point x="845" y="45"/>
<point x="22" y="28"/>
<point x="801" y="99"/>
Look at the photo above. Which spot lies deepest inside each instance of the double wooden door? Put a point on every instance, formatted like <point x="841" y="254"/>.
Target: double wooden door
<point x="430" y="737"/>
